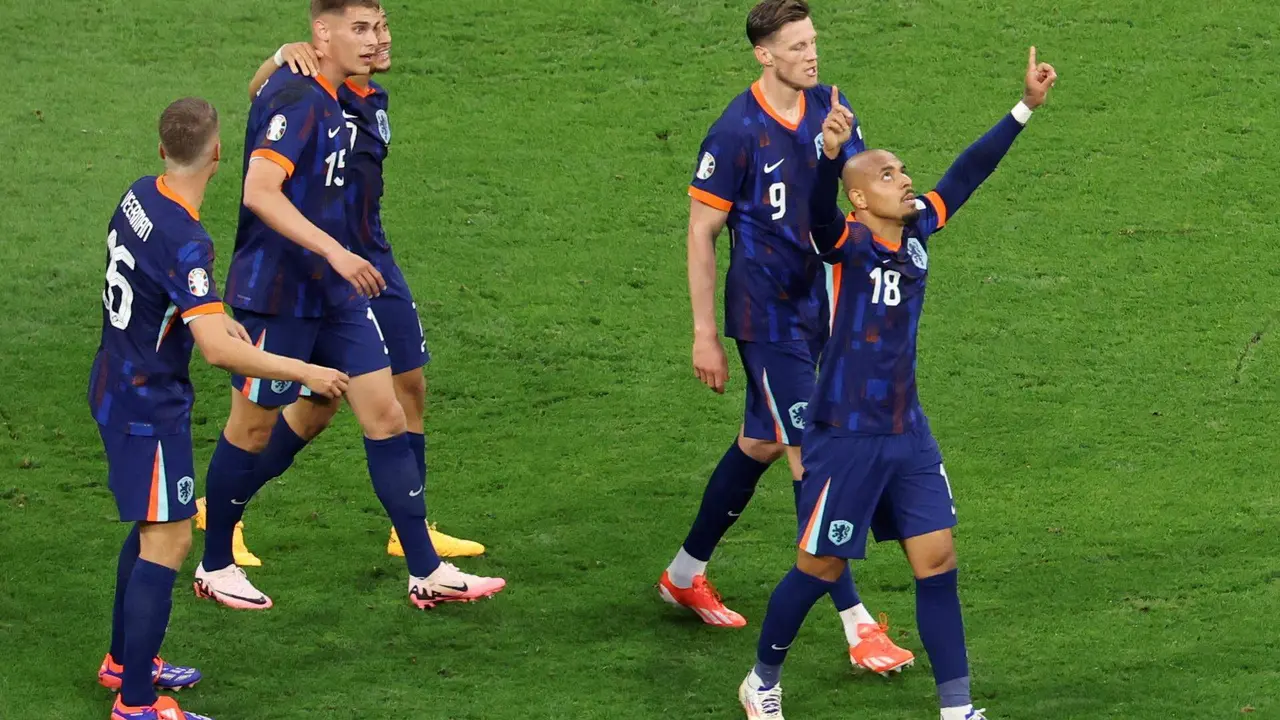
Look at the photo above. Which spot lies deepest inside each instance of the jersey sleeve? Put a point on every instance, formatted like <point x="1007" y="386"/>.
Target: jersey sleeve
<point x="933" y="212"/>
<point x="721" y="171"/>
<point x="290" y="125"/>
<point x="186" y="274"/>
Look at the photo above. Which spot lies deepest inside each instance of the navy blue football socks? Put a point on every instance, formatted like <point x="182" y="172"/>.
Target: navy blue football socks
<point x="279" y="453"/>
<point x="728" y="491"/>
<point x="789" y="604"/>
<point x="124" y="570"/>
<point x="147" y="604"/>
<point x="942" y="634"/>
<point x="232" y="476"/>
<point x="401" y="490"/>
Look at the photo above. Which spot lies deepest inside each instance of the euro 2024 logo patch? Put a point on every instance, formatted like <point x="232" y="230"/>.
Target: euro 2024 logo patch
<point x="186" y="488"/>
<point x="707" y="167"/>
<point x="276" y="129"/>
<point x="840" y="531"/>
<point x="198" y="282"/>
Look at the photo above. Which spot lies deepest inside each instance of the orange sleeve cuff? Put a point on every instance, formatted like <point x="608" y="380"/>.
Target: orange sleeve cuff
<point x="938" y="207"/>
<point x="708" y="199"/>
<point x="275" y="157"/>
<point x="213" y="308"/>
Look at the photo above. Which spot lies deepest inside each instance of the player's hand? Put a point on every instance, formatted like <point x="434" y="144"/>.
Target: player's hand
<point x="236" y="330"/>
<point x="1040" y="77"/>
<point x="360" y="273"/>
<point x="326" y="381"/>
<point x="709" y="362"/>
<point x="301" y="58"/>
<point x="838" y="127"/>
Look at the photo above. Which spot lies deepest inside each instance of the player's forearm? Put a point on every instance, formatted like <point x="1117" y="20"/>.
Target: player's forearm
<point x="274" y="209"/>
<point x="826" y="222"/>
<point x="702" y="282"/>
<point x="239" y="357"/>
<point x="260" y="77"/>
<point x="978" y="162"/>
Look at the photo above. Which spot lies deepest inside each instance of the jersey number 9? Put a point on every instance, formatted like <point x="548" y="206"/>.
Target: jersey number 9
<point x="778" y="199"/>
<point x="117" y="296"/>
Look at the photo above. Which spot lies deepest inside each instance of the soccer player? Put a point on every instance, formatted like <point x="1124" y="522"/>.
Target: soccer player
<point x="871" y="462"/>
<point x="302" y="293"/>
<point x="364" y="104"/>
<point x="755" y="174"/>
<point x="159" y="299"/>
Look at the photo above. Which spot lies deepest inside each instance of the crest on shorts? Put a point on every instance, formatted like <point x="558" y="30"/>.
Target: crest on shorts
<point x="797" y="414"/>
<point x="276" y="129"/>
<point x="198" y="282"/>
<point x="707" y="167"/>
<point x="186" y="489"/>
<point x="840" y="531"/>
<point x="817" y="144"/>
<point x="279" y="387"/>
<point x="917" y="253"/>
<point x="384" y="126"/>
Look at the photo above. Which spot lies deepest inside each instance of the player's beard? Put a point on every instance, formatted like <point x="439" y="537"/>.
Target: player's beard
<point x="910" y="217"/>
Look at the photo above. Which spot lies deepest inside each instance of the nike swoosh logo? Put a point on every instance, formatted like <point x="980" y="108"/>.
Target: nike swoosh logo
<point x="255" y="601"/>
<point x="348" y="115"/>
<point x="771" y="168"/>
<point x="454" y="587"/>
<point x="334" y="132"/>
<point x="784" y="647"/>
<point x="239" y="502"/>
<point x="735" y="514"/>
<point x="417" y="492"/>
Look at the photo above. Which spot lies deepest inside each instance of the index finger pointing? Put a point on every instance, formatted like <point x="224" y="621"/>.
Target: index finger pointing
<point x="835" y="96"/>
<point x="1031" y="63"/>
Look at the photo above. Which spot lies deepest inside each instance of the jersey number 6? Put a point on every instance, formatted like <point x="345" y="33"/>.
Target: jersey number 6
<point x="116" y="281"/>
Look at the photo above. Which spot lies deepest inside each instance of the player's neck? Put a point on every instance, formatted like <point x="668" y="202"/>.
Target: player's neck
<point x="188" y="186"/>
<point x="360" y="81"/>
<point x="332" y="73"/>
<point x="886" y="229"/>
<point x="784" y="99"/>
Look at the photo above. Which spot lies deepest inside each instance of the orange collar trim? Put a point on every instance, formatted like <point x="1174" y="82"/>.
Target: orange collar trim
<point x="168" y="192"/>
<point x="758" y="93"/>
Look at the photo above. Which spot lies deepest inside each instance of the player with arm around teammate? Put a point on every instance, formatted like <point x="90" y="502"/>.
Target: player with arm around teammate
<point x="755" y="171"/>
<point x="303" y="293"/>
<point x="364" y="106"/>
<point x="871" y="462"/>
<point x="158" y="301"/>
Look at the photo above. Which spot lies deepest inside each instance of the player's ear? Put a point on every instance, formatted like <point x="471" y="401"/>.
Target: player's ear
<point x="764" y="56"/>
<point x="857" y="199"/>
<point x="217" y="151"/>
<point x="161" y="146"/>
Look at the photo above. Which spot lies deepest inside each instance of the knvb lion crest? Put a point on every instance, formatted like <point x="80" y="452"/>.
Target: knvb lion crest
<point x="797" y="414"/>
<point x="186" y="489"/>
<point x="918" y="256"/>
<point x="279" y="387"/>
<point x="840" y="532"/>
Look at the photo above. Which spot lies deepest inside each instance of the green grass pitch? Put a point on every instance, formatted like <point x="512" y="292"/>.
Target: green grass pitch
<point x="1098" y="359"/>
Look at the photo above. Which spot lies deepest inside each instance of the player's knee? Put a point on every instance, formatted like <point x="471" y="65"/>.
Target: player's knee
<point x="411" y="390"/>
<point x="309" y="417"/>
<point x="825" y="567"/>
<point x="385" y="420"/>
<point x="764" y="451"/>
<point x="166" y="544"/>
<point x="935" y="560"/>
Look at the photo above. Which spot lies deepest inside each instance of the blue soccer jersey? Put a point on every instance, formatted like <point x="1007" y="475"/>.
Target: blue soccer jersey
<point x="366" y="109"/>
<point x="295" y="122"/>
<point x="867" y="374"/>
<point x="761" y="170"/>
<point x="159" y="277"/>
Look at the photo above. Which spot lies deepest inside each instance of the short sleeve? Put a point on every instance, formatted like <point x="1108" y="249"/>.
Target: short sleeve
<point x="289" y="127"/>
<point x="187" y="277"/>
<point x="722" y="168"/>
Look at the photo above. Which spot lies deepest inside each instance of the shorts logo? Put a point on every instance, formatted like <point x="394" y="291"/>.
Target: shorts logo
<point x="797" y="414"/>
<point x="817" y="143"/>
<point x="384" y="126"/>
<point x="840" y="532"/>
<point x="198" y="282"/>
<point x="186" y="489"/>
<point x="707" y="167"/>
<point x="276" y="129"/>
<point x="279" y="387"/>
<point x="917" y="253"/>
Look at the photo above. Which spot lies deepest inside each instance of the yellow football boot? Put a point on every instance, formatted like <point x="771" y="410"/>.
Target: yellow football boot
<point x="239" y="551"/>
<point x="446" y="546"/>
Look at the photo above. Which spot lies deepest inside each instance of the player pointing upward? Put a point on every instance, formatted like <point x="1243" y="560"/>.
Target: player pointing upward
<point x="870" y="459"/>
<point x="755" y="173"/>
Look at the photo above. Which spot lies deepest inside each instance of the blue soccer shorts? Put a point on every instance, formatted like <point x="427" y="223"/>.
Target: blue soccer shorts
<point x="151" y="476"/>
<point x="892" y="485"/>
<point x="346" y="339"/>
<point x="780" y="380"/>
<point x="397" y="319"/>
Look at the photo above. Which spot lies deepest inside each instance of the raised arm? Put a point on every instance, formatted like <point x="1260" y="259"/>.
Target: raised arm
<point x="980" y="159"/>
<point x="826" y="222"/>
<point x="300" y="56"/>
